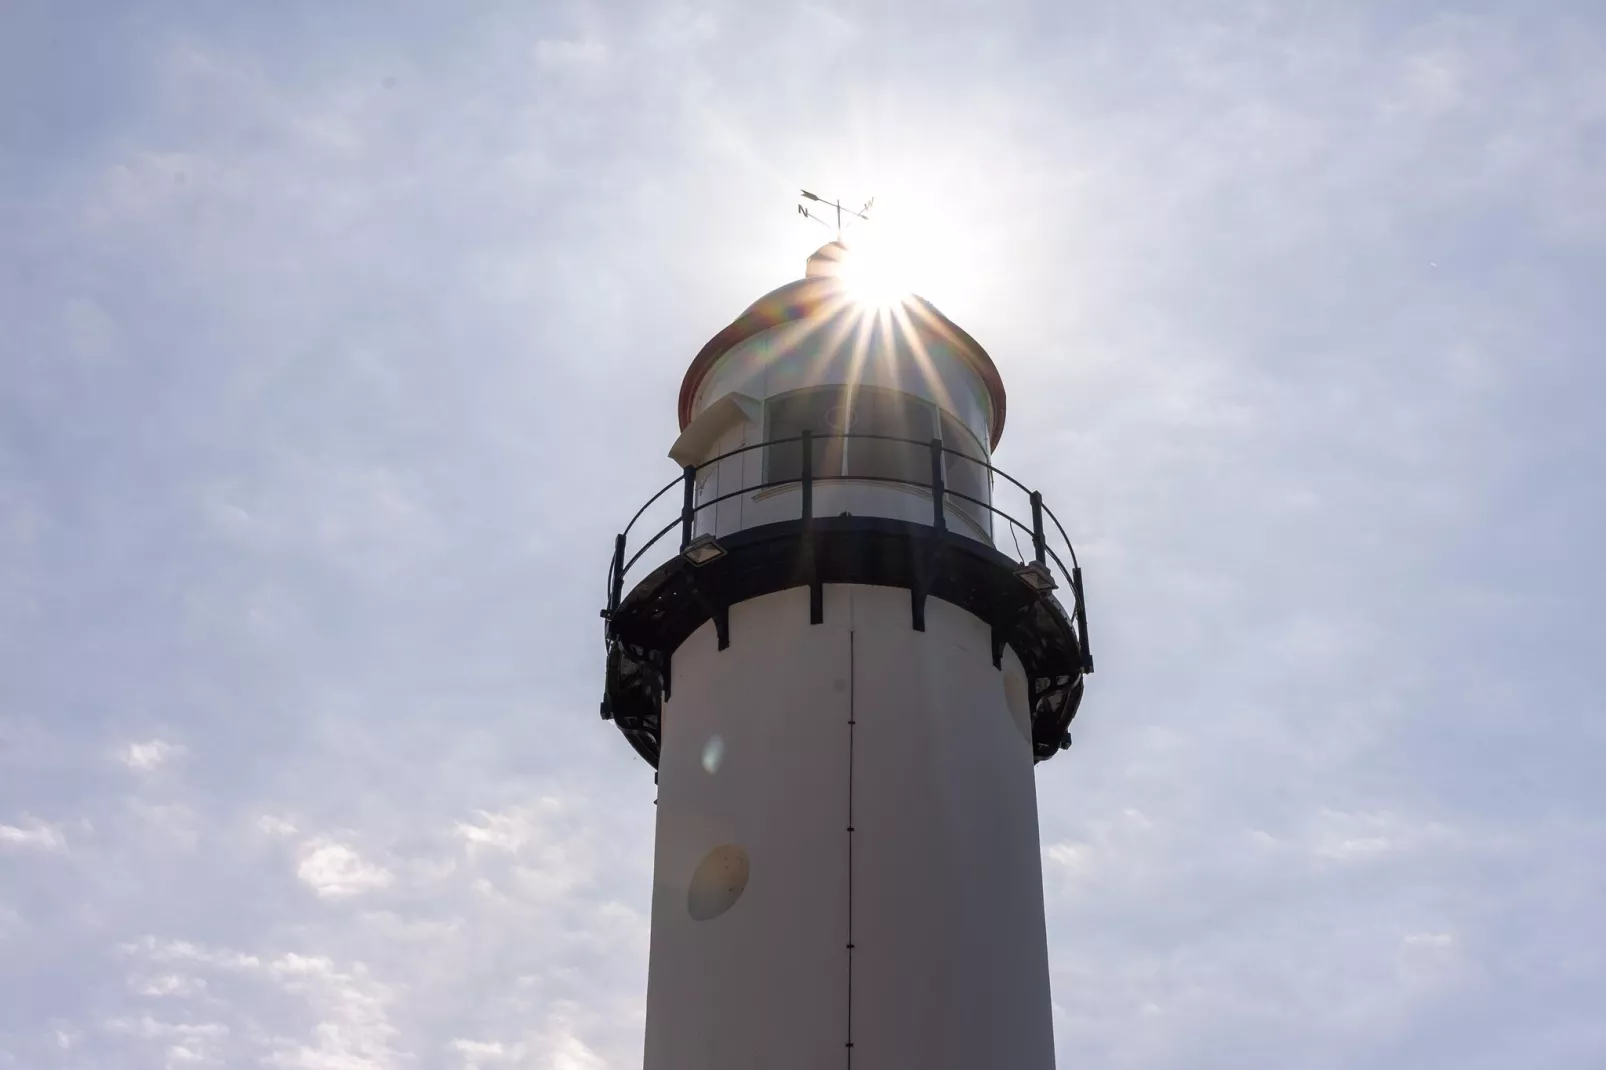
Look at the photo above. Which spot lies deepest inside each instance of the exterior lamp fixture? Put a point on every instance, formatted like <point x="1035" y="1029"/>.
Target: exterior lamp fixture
<point x="1036" y="576"/>
<point x="705" y="548"/>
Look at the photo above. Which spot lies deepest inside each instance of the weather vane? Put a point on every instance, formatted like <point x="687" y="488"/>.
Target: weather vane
<point x="863" y="213"/>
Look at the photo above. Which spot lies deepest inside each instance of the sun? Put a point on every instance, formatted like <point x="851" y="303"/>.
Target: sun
<point x="873" y="276"/>
<point x="904" y="247"/>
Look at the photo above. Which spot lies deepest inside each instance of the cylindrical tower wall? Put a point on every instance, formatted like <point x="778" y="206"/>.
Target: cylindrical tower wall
<point x="772" y="750"/>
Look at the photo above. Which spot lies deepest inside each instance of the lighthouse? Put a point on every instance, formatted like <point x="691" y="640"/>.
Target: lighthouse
<point x="844" y="639"/>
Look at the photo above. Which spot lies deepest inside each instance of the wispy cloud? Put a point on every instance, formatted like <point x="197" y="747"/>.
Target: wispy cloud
<point x="273" y="825"/>
<point x="354" y="1028"/>
<point x="336" y="871"/>
<point x="151" y="754"/>
<point x="33" y="834"/>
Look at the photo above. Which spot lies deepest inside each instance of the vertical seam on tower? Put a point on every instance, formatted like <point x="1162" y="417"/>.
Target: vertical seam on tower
<point x="852" y="721"/>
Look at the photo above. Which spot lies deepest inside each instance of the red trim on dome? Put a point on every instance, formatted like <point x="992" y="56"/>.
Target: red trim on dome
<point x="823" y="294"/>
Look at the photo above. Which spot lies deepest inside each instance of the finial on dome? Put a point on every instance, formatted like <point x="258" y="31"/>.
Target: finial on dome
<point x="826" y="261"/>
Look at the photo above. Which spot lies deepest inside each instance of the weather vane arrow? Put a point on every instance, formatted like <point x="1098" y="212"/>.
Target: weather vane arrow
<point x="861" y="213"/>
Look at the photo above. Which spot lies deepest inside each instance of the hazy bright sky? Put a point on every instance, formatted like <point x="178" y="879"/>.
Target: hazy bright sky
<point x="336" y="341"/>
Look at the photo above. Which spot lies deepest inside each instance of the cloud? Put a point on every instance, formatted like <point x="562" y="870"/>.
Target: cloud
<point x="1353" y="837"/>
<point x="353" y="1030"/>
<point x="349" y="1024"/>
<point x="564" y="1048"/>
<point x="478" y="1053"/>
<point x="185" y="1042"/>
<point x="554" y="1045"/>
<point x="36" y="835"/>
<point x="336" y="871"/>
<point x="151" y="754"/>
<point x="159" y="950"/>
<point x="167" y="985"/>
<point x="570" y="53"/>
<point x="278" y="827"/>
<point x="503" y="831"/>
<point x="173" y="822"/>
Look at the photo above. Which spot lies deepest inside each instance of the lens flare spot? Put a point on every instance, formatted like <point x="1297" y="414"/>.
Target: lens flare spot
<point x="713" y="753"/>
<point x="720" y="880"/>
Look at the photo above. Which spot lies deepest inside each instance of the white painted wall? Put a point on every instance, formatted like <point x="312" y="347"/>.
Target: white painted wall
<point x="950" y="965"/>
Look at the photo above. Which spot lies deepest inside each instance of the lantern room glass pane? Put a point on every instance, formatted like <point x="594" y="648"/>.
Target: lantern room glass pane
<point x="896" y="415"/>
<point x="822" y="411"/>
<point x="905" y="423"/>
<point x="966" y="476"/>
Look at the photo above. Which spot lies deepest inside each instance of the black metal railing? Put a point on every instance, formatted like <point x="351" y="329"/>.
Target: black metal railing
<point x="1042" y="549"/>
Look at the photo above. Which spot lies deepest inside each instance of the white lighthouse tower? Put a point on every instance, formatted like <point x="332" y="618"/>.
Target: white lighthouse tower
<point x="844" y="639"/>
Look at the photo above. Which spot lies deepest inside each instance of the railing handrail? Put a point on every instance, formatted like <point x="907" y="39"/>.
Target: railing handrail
<point x="892" y="480"/>
<point x="922" y="443"/>
<point x="691" y="473"/>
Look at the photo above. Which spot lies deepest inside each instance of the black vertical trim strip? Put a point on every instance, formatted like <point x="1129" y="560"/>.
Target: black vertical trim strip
<point x="852" y="721"/>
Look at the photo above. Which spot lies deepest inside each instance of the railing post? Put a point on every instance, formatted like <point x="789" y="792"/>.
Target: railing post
<point x="618" y="578"/>
<point x="688" y="508"/>
<point x="1081" y="618"/>
<point x="938" y="491"/>
<point x="1037" y="527"/>
<point x="808" y="479"/>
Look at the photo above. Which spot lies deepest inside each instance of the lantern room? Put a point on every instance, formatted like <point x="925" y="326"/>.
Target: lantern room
<point x="872" y="385"/>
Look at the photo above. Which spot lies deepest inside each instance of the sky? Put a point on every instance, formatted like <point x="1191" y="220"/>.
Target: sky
<point x="338" y="340"/>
